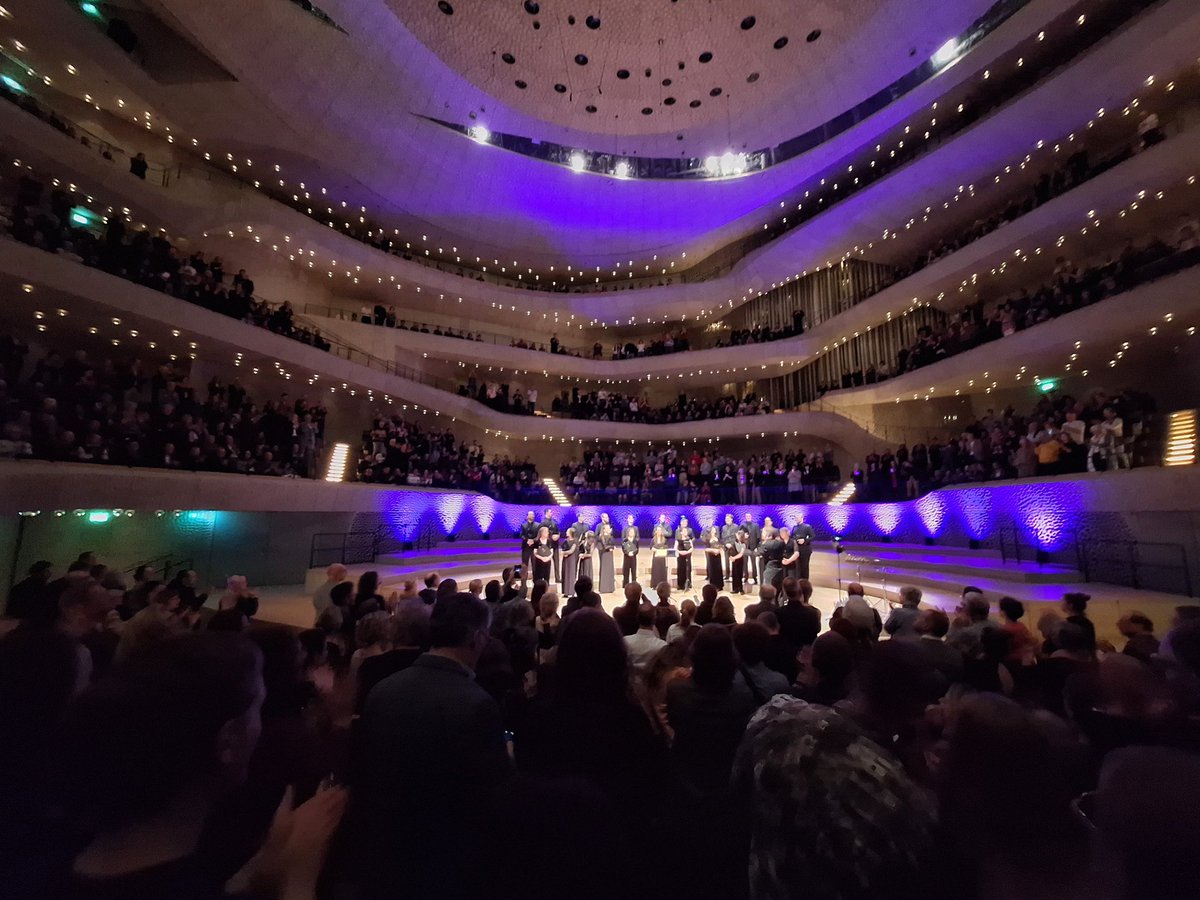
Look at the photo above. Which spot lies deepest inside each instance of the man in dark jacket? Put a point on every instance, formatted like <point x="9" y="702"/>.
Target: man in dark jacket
<point x="433" y="749"/>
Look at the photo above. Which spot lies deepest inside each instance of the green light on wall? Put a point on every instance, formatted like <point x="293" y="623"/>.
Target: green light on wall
<point x="99" y="517"/>
<point x="12" y="84"/>
<point x="1047" y="386"/>
<point x="92" y="10"/>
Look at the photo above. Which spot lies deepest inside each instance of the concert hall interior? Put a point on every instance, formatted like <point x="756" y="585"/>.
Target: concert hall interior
<point x="775" y="417"/>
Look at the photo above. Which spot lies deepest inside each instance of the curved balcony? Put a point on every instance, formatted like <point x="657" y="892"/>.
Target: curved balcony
<point x="1168" y="304"/>
<point x="1106" y="70"/>
<point x="90" y="295"/>
<point x="1167" y="164"/>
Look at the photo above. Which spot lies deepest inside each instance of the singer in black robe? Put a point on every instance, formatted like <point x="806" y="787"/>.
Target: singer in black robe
<point x="685" y="541"/>
<point x="715" y="574"/>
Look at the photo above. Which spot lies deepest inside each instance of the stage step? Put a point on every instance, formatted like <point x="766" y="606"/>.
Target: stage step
<point x="962" y="565"/>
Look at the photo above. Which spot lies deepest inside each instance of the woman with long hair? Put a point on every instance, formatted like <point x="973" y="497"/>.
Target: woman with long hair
<point x="588" y="724"/>
<point x="605" y="542"/>
<point x="568" y="550"/>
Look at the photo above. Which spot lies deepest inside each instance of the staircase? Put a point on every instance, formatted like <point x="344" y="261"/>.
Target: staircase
<point x="556" y="492"/>
<point x="1181" y="439"/>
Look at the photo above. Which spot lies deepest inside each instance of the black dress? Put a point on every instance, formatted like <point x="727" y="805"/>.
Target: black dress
<point x="712" y="559"/>
<point x="684" y="541"/>
<point x="658" y="562"/>
<point x="737" y="567"/>
<point x="569" y="564"/>
<point x="604" y="540"/>
<point x="585" y="554"/>
<point x="543" y="557"/>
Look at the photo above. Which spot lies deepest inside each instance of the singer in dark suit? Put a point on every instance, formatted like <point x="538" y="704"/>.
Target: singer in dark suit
<point x="630" y="538"/>
<point x="804" y="536"/>
<point x="728" y="538"/>
<point x="753" y="537"/>
<point x="529" y="533"/>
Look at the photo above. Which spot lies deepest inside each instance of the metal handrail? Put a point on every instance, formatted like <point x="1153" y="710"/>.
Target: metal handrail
<point x="166" y="564"/>
<point x="339" y="547"/>
<point x="1136" y="564"/>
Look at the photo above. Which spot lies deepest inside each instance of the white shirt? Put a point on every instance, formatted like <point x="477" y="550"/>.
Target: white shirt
<point x="642" y="647"/>
<point x="675" y="632"/>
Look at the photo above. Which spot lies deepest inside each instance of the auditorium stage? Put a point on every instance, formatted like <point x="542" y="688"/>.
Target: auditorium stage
<point x="940" y="572"/>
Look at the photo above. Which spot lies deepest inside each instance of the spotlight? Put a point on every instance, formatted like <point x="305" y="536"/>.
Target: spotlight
<point x="622" y="169"/>
<point x="480" y="133"/>
<point x="947" y="53"/>
<point x="577" y="161"/>
<point x="712" y="165"/>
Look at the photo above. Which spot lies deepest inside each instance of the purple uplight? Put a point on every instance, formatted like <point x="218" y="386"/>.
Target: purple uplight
<point x="838" y="518"/>
<point x="1044" y="512"/>
<point x="886" y="516"/>
<point x="931" y="510"/>
<point x="975" y="512"/>
<point x="483" y="509"/>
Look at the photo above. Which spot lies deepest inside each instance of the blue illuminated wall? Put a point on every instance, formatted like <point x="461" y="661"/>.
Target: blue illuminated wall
<point x="1045" y="514"/>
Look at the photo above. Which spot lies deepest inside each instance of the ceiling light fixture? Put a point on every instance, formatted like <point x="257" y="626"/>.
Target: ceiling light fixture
<point x="947" y="53"/>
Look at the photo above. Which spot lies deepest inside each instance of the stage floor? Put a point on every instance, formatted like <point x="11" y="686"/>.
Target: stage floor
<point x="939" y="572"/>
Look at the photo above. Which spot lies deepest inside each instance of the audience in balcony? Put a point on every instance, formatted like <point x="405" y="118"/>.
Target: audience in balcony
<point x="613" y="406"/>
<point x="689" y="477"/>
<point x="1048" y="441"/>
<point x="150" y="260"/>
<point x="402" y="452"/>
<point x="128" y="412"/>
<point x="1070" y="287"/>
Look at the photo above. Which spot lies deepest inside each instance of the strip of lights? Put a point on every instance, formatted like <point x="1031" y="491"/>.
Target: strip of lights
<point x="1181" y="439"/>
<point x="336" y="470"/>
<point x="556" y="492"/>
<point x="842" y="497"/>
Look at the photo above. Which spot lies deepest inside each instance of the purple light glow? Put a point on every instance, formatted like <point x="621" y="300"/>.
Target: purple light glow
<point x="931" y="510"/>
<point x="1043" y="513"/>
<point x="838" y="518"/>
<point x="975" y="512"/>
<point x="886" y="516"/>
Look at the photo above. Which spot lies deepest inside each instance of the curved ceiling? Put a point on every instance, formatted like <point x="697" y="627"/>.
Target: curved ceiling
<point x="707" y="75"/>
<point x="344" y="111"/>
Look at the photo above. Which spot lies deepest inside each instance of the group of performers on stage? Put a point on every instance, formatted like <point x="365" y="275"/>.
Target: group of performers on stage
<point x="741" y="554"/>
